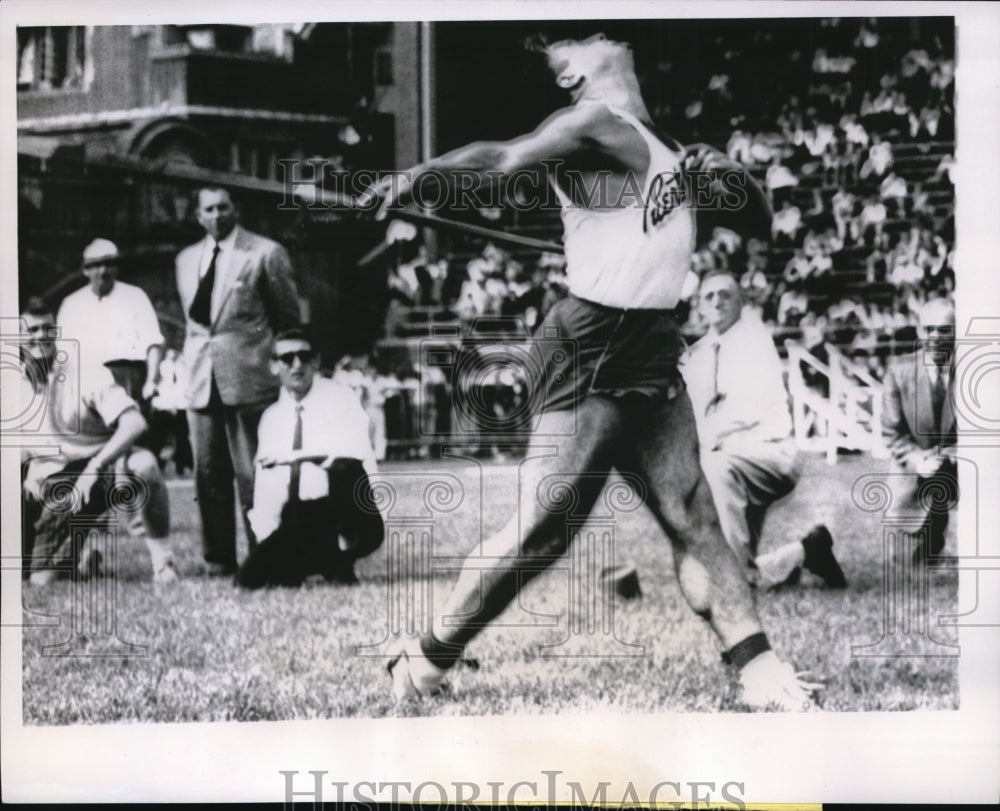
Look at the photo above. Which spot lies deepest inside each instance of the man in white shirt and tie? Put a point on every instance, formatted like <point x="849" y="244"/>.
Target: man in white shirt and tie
<point x="735" y="380"/>
<point x="918" y="425"/>
<point x="313" y="505"/>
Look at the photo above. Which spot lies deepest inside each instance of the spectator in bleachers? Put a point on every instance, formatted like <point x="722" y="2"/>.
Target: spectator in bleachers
<point x="867" y="107"/>
<point x="942" y="75"/>
<point x="867" y="34"/>
<point x="740" y="147"/>
<point x="792" y="307"/>
<point x="786" y="224"/>
<point x="854" y="131"/>
<point x="919" y="204"/>
<point x="842" y="207"/>
<point x="766" y="147"/>
<point x="757" y="291"/>
<point x="928" y="120"/>
<point x="797" y="269"/>
<point x="872" y="217"/>
<point x="832" y="64"/>
<point x="818" y="139"/>
<point x="904" y="272"/>
<point x="879" y="159"/>
<point x="893" y="188"/>
<point x="725" y="241"/>
<point x="945" y="169"/>
<point x="473" y="299"/>
<point x="820" y="262"/>
<point x="779" y="181"/>
<point x="523" y="299"/>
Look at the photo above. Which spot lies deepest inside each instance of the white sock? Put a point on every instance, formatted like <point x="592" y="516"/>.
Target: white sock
<point x="159" y="552"/>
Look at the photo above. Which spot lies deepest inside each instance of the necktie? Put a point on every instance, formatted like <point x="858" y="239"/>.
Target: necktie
<point x="293" y="482"/>
<point x="201" y="307"/>
<point x="716" y="395"/>
<point x="938" y="398"/>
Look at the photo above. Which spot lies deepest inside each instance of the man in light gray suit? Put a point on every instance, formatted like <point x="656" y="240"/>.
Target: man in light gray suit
<point x="918" y="425"/>
<point x="237" y="291"/>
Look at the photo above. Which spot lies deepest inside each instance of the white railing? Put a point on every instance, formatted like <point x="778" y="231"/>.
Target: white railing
<point x="849" y="417"/>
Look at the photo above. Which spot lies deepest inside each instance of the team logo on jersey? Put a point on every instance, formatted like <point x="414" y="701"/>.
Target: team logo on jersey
<point x="666" y="192"/>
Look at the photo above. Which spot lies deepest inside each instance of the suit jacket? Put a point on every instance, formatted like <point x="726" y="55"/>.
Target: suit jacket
<point x="908" y="412"/>
<point x="257" y="299"/>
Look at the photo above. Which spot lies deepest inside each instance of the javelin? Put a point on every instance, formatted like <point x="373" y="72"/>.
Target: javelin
<point x="432" y="221"/>
<point x="494" y="234"/>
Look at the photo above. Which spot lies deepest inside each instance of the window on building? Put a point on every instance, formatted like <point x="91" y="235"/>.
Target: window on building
<point x="51" y="58"/>
<point x="260" y="158"/>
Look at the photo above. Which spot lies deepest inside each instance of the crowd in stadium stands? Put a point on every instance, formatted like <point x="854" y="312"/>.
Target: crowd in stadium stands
<point x="857" y="244"/>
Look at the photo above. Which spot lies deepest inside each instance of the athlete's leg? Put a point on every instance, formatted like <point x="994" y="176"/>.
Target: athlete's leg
<point x="556" y="463"/>
<point x="664" y="453"/>
<point x="665" y="448"/>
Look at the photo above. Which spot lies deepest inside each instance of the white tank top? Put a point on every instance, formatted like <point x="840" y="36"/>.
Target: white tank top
<point x="638" y="256"/>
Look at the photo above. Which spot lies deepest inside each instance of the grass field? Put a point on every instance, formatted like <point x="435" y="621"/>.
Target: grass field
<point x="214" y="653"/>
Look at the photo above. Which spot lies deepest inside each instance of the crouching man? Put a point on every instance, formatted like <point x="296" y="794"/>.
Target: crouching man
<point x="735" y="379"/>
<point x="313" y="503"/>
<point x="94" y="469"/>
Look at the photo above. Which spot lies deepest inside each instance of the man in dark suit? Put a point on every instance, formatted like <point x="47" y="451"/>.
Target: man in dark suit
<point x="918" y="425"/>
<point x="313" y="505"/>
<point x="237" y="291"/>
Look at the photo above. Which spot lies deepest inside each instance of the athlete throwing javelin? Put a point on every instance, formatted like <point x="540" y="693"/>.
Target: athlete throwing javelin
<point x="626" y="407"/>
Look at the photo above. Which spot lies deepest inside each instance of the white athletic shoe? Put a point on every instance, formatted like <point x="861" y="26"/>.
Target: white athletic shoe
<point x="770" y="684"/>
<point x="413" y="675"/>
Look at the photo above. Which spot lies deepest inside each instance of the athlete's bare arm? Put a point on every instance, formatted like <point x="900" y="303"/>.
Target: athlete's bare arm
<point x="752" y="217"/>
<point x="570" y="132"/>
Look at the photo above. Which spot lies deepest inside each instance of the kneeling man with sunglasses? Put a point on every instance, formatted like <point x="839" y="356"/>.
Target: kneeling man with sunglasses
<point x="313" y="504"/>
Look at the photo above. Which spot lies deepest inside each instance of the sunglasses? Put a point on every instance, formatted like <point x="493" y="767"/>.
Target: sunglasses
<point x="288" y="358"/>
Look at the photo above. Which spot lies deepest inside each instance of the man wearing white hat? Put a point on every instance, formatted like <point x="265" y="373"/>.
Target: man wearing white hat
<point x="114" y="322"/>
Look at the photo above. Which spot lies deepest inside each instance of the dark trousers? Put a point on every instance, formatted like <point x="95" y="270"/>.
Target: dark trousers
<point x="938" y="494"/>
<point x="308" y="539"/>
<point x="171" y="428"/>
<point x="224" y="440"/>
<point x="49" y="522"/>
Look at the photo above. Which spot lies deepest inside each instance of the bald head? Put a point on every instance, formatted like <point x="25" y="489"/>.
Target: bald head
<point x="936" y="319"/>
<point x="937" y="312"/>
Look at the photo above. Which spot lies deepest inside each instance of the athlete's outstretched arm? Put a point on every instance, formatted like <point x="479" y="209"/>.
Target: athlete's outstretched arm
<point x="562" y="134"/>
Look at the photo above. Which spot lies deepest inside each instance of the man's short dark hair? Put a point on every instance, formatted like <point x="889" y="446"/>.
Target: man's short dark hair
<point x="233" y="197"/>
<point x="299" y="333"/>
<point x="37" y="307"/>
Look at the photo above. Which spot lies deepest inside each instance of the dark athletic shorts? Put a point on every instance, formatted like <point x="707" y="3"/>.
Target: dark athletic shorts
<point x="590" y="349"/>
